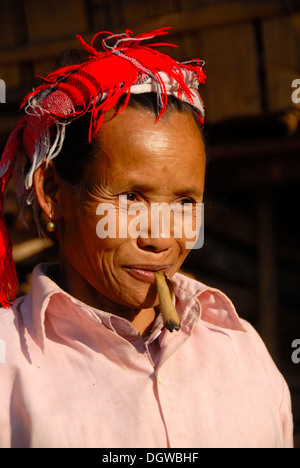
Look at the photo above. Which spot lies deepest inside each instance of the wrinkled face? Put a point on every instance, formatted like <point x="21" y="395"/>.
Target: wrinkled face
<point x="143" y="161"/>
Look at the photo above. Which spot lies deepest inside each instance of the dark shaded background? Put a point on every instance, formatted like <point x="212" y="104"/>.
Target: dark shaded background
<point x="252" y="54"/>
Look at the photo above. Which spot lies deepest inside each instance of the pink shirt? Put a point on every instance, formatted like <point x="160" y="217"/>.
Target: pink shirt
<point x="73" y="376"/>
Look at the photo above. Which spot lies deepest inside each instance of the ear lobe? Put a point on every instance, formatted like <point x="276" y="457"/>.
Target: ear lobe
<point x="45" y="182"/>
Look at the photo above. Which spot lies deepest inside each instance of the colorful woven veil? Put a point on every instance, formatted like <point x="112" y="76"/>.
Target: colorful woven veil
<point x="125" y="65"/>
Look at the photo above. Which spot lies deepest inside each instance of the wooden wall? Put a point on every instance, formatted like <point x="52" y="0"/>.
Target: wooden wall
<point x="251" y="49"/>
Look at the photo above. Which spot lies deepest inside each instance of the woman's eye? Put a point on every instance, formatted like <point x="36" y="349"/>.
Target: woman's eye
<point x="131" y="196"/>
<point x="187" y="201"/>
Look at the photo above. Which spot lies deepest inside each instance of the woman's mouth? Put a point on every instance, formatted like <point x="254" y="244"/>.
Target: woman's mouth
<point x="145" y="273"/>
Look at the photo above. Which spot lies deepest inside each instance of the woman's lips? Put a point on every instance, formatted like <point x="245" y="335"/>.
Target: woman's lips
<point x="145" y="273"/>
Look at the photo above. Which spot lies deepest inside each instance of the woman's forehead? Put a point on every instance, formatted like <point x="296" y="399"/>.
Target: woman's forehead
<point x="141" y="129"/>
<point x="136" y="149"/>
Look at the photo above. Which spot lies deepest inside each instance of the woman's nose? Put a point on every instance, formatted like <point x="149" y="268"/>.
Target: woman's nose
<point x="156" y="227"/>
<point x="154" y="244"/>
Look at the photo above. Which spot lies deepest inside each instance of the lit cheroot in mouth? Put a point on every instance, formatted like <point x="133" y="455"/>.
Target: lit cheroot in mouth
<point x="145" y="272"/>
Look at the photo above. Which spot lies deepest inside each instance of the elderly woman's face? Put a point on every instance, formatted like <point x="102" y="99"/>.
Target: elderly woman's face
<point x="149" y="162"/>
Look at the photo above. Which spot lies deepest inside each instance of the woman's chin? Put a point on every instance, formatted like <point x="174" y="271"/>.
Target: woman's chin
<point x="140" y="301"/>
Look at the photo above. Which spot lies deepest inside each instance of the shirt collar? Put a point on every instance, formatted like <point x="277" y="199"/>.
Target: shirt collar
<point x="209" y="304"/>
<point x="216" y="308"/>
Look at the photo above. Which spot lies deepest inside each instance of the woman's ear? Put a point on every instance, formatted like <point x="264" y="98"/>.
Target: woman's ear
<point x="46" y="186"/>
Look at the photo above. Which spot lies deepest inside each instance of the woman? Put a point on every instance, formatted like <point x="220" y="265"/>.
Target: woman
<point x="89" y="362"/>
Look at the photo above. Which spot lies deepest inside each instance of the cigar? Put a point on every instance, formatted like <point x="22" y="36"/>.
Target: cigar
<point x="165" y="289"/>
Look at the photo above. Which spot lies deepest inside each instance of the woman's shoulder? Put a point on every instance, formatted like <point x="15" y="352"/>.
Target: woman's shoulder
<point x="11" y="324"/>
<point x="7" y="318"/>
<point x="218" y="312"/>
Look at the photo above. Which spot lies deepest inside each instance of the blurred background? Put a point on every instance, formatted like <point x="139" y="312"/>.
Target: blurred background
<point x="252" y="54"/>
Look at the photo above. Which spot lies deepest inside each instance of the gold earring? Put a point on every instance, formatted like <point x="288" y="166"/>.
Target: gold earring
<point x="51" y="226"/>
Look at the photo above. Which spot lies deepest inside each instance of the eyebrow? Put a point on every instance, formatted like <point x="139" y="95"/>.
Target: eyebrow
<point x="190" y="191"/>
<point x="194" y="190"/>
